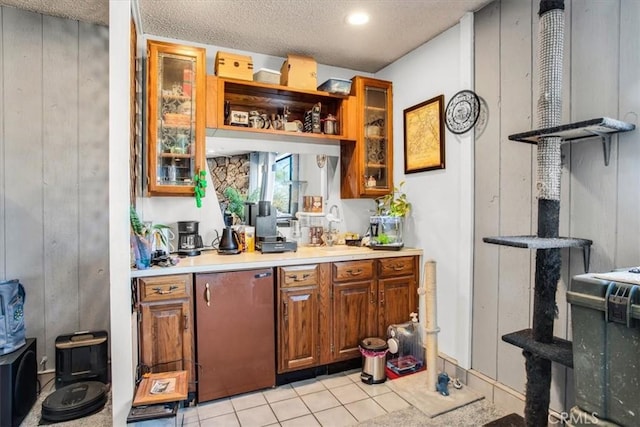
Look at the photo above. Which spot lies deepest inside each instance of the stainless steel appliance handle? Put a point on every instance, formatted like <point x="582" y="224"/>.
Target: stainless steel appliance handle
<point x="262" y="275"/>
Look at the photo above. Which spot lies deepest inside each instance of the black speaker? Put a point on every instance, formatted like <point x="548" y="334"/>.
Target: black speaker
<point x="18" y="384"/>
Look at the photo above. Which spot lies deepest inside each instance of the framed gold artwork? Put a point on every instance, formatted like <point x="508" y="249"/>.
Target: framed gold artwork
<point x="424" y="136"/>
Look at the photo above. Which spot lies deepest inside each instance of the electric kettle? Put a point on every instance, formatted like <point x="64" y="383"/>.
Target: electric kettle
<point x="229" y="242"/>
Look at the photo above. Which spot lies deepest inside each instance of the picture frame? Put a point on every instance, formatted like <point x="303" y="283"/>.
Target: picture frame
<point x="161" y="387"/>
<point x="424" y="136"/>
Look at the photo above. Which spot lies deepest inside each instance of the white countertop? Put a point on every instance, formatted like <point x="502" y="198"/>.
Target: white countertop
<point x="211" y="261"/>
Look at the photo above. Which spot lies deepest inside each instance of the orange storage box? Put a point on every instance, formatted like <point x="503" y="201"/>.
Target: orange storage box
<point x="299" y="72"/>
<point x="233" y="66"/>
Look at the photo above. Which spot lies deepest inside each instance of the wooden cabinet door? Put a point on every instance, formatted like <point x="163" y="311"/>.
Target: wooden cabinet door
<point x="166" y="337"/>
<point x="396" y="300"/>
<point x="367" y="166"/>
<point x="176" y="94"/>
<point x="298" y="334"/>
<point x="354" y="307"/>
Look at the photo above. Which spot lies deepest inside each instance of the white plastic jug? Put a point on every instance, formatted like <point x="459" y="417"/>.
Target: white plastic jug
<point x="161" y="239"/>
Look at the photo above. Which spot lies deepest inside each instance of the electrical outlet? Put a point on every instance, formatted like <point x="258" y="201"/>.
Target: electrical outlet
<point x="43" y="362"/>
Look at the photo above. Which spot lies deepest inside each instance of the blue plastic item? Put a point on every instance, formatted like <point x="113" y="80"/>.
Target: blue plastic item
<point x="442" y="386"/>
<point x="12" y="328"/>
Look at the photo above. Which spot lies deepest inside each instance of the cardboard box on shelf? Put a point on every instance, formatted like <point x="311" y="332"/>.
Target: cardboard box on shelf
<point x="299" y="72"/>
<point x="234" y="66"/>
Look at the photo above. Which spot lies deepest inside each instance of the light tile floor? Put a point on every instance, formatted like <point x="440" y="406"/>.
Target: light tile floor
<point x="335" y="400"/>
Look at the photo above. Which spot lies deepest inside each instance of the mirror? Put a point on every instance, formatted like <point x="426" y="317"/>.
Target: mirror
<point x="281" y="178"/>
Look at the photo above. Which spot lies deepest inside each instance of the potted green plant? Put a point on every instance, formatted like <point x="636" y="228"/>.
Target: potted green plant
<point x="388" y="223"/>
<point x="235" y="203"/>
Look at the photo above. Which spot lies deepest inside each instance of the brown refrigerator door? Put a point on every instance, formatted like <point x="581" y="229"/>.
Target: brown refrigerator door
<point x="235" y="332"/>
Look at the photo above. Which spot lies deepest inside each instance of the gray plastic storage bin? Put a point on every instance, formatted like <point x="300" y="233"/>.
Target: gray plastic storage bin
<point x="606" y="347"/>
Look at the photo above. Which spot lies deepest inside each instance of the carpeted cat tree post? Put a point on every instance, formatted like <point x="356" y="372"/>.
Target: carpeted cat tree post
<point x="548" y="262"/>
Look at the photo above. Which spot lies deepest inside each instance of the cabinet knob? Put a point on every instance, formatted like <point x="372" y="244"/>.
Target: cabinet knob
<point x="207" y="294"/>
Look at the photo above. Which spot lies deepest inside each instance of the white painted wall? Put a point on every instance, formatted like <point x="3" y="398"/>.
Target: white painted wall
<point x="122" y="373"/>
<point x="442" y="216"/>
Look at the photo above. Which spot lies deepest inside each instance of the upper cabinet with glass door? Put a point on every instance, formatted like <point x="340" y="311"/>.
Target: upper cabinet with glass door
<point x="367" y="165"/>
<point x="176" y="93"/>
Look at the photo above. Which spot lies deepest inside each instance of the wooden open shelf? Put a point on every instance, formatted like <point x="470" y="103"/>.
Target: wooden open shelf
<point x="268" y="99"/>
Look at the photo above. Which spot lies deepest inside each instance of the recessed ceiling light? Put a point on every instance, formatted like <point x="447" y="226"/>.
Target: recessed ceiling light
<point x="357" y="18"/>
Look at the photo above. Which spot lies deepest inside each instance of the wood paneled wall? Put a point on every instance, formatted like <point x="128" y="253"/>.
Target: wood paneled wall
<point x="54" y="118"/>
<point x="601" y="78"/>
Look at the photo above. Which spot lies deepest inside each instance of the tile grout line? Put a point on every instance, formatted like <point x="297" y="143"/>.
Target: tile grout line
<point x="312" y="413"/>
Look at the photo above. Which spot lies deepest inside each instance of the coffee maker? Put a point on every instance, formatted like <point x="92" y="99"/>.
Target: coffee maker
<point x="264" y="218"/>
<point x="189" y="241"/>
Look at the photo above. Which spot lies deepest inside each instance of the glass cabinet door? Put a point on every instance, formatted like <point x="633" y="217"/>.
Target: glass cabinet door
<point x="366" y="162"/>
<point x="176" y="118"/>
<point x="376" y="138"/>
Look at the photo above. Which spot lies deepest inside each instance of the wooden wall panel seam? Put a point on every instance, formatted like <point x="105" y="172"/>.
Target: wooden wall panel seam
<point x="93" y="80"/>
<point x="3" y="267"/>
<point x="487" y="199"/>
<point x="40" y="150"/>
<point x="627" y="242"/>
<point x="23" y="243"/>
<point x="60" y="148"/>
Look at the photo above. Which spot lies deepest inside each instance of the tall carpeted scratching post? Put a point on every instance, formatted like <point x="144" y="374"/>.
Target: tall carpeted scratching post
<point x="539" y="345"/>
<point x="548" y="261"/>
<point x="431" y="329"/>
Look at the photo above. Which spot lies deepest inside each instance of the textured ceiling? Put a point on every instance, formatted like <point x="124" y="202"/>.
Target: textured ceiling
<point x="310" y="27"/>
<point x="277" y="27"/>
<point x="94" y="11"/>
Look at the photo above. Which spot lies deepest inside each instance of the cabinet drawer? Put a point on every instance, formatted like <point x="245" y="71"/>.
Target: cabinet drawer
<point x="165" y="287"/>
<point x="400" y="266"/>
<point x="301" y="275"/>
<point x="353" y="270"/>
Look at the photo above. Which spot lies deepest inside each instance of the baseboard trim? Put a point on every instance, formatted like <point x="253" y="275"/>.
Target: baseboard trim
<point x="499" y="394"/>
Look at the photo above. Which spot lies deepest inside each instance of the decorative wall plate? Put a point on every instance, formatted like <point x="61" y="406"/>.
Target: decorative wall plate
<point x="462" y="111"/>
